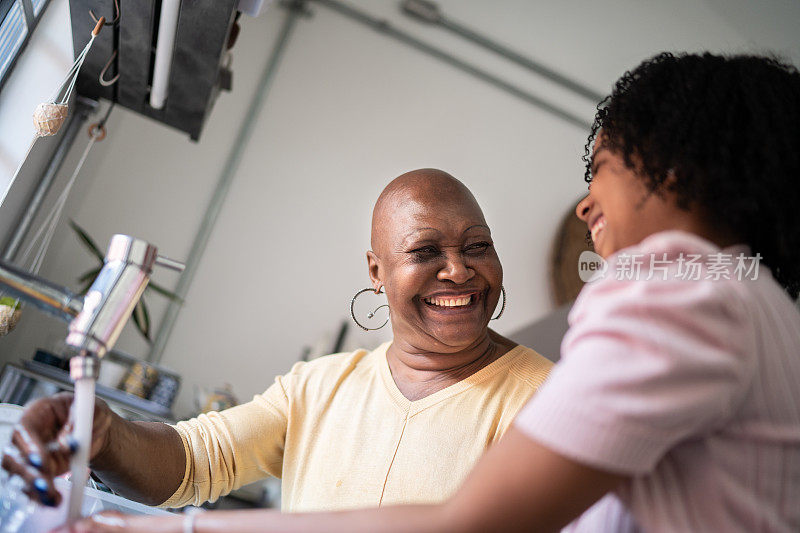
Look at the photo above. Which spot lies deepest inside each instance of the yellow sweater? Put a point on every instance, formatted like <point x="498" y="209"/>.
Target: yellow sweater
<point x="341" y="435"/>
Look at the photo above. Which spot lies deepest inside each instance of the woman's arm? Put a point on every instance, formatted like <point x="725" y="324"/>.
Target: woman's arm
<point x="144" y="461"/>
<point x="147" y="461"/>
<point x="518" y="485"/>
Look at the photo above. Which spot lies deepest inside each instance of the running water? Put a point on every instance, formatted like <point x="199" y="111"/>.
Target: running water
<point x="15" y="507"/>
<point x="82" y="415"/>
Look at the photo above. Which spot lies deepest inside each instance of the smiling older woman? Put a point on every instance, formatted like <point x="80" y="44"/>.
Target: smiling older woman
<point x="402" y="423"/>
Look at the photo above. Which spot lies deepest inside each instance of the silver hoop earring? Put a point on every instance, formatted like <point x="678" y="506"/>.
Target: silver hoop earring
<point x="503" y="307"/>
<point x="369" y="315"/>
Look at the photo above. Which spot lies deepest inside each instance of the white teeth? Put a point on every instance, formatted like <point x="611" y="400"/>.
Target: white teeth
<point x="598" y="227"/>
<point x="449" y="302"/>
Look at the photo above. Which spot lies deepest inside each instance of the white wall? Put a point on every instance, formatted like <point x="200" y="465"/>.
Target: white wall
<point x="349" y="110"/>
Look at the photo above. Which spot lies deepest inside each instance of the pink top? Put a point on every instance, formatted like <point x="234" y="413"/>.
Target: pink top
<point x="691" y="387"/>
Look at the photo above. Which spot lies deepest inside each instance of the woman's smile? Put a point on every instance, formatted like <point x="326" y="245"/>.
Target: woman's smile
<point x="596" y="228"/>
<point x="450" y="303"/>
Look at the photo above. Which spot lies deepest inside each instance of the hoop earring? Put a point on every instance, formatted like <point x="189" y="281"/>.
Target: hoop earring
<point x="369" y="315"/>
<point x="503" y="308"/>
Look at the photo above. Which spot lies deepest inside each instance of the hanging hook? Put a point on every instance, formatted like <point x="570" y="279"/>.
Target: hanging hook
<point x="116" y="15"/>
<point x="102" y="78"/>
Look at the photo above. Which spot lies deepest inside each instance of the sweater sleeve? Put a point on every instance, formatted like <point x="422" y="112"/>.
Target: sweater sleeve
<point x="644" y="366"/>
<point x="228" y="449"/>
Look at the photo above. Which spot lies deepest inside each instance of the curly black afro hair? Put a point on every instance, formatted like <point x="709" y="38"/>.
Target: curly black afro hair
<point x="728" y="129"/>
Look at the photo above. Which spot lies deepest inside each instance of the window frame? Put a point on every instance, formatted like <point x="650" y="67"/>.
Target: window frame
<point x="31" y="22"/>
<point x="5" y="7"/>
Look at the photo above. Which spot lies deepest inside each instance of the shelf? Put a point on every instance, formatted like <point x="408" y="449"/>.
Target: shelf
<point x="144" y="409"/>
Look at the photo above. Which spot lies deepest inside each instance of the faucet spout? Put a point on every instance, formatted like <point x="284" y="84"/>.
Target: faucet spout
<point x="53" y="299"/>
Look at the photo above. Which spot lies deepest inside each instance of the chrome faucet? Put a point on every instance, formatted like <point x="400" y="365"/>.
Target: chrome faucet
<point x="96" y="320"/>
<point x="48" y="297"/>
<point x="114" y="293"/>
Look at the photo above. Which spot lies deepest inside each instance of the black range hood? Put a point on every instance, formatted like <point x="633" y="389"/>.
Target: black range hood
<point x="201" y="41"/>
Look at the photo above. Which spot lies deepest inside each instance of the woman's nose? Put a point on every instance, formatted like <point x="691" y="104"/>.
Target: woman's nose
<point x="584" y="207"/>
<point x="455" y="270"/>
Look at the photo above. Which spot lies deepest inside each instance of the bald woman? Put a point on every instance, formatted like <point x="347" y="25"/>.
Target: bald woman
<point x="403" y="423"/>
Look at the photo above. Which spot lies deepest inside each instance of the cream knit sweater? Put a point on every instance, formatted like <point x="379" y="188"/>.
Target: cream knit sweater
<point x="341" y="435"/>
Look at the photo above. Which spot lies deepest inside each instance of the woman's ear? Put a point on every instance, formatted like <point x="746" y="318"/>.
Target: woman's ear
<point x="374" y="266"/>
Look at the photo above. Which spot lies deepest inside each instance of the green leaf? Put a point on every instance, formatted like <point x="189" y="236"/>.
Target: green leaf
<point x="85" y="287"/>
<point x="86" y="240"/>
<point x="91" y="275"/>
<point x="146" y="315"/>
<point x="136" y="317"/>
<point x="141" y="317"/>
<point x="164" y="292"/>
<point x="11" y="302"/>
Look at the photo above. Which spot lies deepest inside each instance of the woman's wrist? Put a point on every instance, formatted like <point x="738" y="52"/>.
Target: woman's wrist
<point x="102" y="459"/>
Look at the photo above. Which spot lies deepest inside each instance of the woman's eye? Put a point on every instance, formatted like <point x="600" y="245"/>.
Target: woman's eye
<point x="425" y="252"/>
<point x="477" y="248"/>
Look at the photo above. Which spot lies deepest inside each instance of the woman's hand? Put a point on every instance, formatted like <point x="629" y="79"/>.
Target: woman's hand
<point x="41" y="445"/>
<point x="115" y="522"/>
